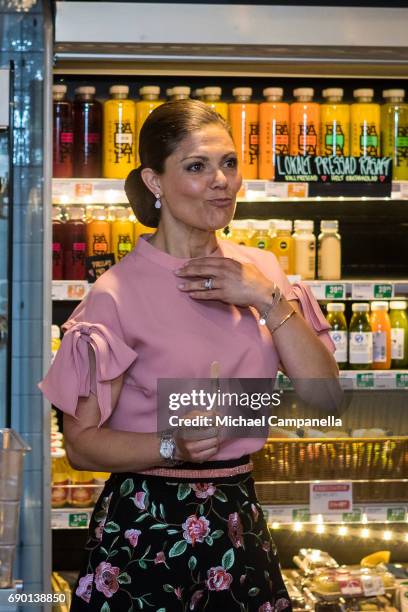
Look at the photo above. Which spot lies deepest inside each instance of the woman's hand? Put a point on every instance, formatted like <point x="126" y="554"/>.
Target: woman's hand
<point x="241" y="284"/>
<point x="196" y="444"/>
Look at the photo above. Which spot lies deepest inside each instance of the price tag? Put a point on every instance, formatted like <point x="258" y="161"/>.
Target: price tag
<point x="83" y="190"/>
<point x="376" y="514"/>
<point x="276" y="190"/>
<point x="372" y="585"/>
<point x="298" y="190"/>
<point x="331" y="497"/>
<point x="350" y="585"/>
<point x="384" y="380"/>
<point x="278" y="515"/>
<point x="301" y="514"/>
<point x="352" y="517"/>
<point x="401" y="381"/>
<point x="396" y="515"/>
<point x="383" y="291"/>
<point x="319" y="290"/>
<point x="361" y="291"/>
<point x="365" y="381"/>
<point x="78" y="519"/>
<point x="335" y="292"/>
<point x="59" y="520"/>
<point x="76" y="291"/>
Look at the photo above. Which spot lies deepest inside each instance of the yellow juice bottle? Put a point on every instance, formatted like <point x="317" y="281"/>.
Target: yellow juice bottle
<point x="243" y="117"/>
<point x="150" y="95"/>
<point x="261" y="238"/>
<point x="212" y="97"/>
<point x="180" y="92"/>
<point x="273" y="131"/>
<point x="282" y="245"/>
<point x="119" y="152"/>
<point x="81" y="493"/>
<point x="304" y="123"/>
<point x="335" y="123"/>
<point x="122" y="233"/>
<point x="394" y="131"/>
<point x="239" y="232"/>
<point x="365" y="124"/>
<point x="59" y="478"/>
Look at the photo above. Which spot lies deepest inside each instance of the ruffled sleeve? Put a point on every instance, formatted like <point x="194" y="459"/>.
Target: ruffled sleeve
<point x="312" y="313"/>
<point x="69" y="376"/>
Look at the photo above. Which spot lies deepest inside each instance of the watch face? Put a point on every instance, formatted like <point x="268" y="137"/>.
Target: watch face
<point x="166" y="449"/>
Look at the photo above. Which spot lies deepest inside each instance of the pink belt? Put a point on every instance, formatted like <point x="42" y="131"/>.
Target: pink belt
<point x="210" y="473"/>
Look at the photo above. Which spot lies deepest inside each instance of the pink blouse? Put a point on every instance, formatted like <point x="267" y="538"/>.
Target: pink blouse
<point x="140" y="325"/>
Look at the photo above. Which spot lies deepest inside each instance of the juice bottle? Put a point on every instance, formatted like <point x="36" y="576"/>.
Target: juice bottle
<point x="99" y="479"/>
<point x="198" y="94"/>
<point x="169" y="93"/>
<point x="81" y="493"/>
<point x="365" y="124"/>
<point x="272" y="228"/>
<point x="122" y="233"/>
<point x="239" y="234"/>
<point x="338" y="333"/>
<point x="150" y="100"/>
<point x="74" y="244"/>
<point x="361" y="338"/>
<point x="394" y="131"/>
<point x="98" y="233"/>
<point x="329" y="251"/>
<point x="305" y="249"/>
<point x="180" y="92"/>
<point x="282" y="245"/>
<point x="273" y="131"/>
<point x="212" y="97"/>
<point x="87" y="134"/>
<point x="59" y="478"/>
<point x="335" y="123"/>
<point x="55" y="340"/>
<point x="381" y="327"/>
<point x="261" y="238"/>
<point x="119" y="120"/>
<point x="304" y="123"/>
<point x="243" y="117"/>
<point x="57" y="244"/>
<point x="399" y="334"/>
<point x="63" y="136"/>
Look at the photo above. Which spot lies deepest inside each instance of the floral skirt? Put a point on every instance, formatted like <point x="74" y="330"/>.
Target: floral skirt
<point x="169" y="544"/>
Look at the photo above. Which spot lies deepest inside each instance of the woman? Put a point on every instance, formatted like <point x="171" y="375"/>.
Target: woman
<point x="190" y="536"/>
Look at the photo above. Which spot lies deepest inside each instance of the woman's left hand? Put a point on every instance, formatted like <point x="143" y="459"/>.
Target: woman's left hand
<point x="241" y="284"/>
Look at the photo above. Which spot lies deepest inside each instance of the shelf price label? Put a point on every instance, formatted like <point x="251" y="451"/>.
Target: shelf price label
<point x="401" y="381"/>
<point x="396" y="515"/>
<point x="365" y="381"/>
<point x="78" y="519"/>
<point x="301" y="515"/>
<point x="383" y="291"/>
<point x="331" y="497"/>
<point x="352" y="517"/>
<point x="335" y="292"/>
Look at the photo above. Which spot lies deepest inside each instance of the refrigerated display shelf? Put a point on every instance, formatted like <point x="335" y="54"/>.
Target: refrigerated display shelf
<point x="374" y="380"/>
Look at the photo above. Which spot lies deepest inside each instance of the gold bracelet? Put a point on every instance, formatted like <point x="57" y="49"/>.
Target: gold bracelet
<point x="285" y="318"/>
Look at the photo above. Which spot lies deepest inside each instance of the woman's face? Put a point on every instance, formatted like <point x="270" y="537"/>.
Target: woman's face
<point x="201" y="180"/>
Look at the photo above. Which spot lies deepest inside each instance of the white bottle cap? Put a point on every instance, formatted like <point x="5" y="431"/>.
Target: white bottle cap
<point x="336" y="307"/>
<point x="329" y="224"/>
<point x="398" y="305"/>
<point x="169" y="92"/>
<point x="360" y="307"/>
<point x="379" y="306"/>
<point x="272" y="225"/>
<point x="239" y="224"/>
<point x="57" y="453"/>
<point x="212" y="91"/>
<point x="303" y="91"/>
<point x="181" y="90"/>
<point x="363" y="93"/>
<point x="85" y="90"/>
<point x="76" y="212"/>
<point x="59" y="89"/>
<point x="393" y="93"/>
<point x="273" y="91"/>
<point x="55" y="332"/>
<point x="119" y="89"/>
<point x="260" y="225"/>
<point x="301" y="224"/>
<point x="333" y="92"/>
<point x="149" y="90"/>
<point x="283" y="224"/>
<point x="242" y="91"/>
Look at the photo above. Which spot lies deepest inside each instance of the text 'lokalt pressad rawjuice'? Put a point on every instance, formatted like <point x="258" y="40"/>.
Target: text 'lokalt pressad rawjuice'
<point x="273" y="131"/>
<point x="243" y="116"/>
<point x="335" y="123"/>
<point x="365" y="124"/>
<point x="304" y="123"/>
<point x="119" y="119"/>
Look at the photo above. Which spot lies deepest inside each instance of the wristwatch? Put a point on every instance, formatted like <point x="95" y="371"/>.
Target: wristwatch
<point x="168" y="448"/>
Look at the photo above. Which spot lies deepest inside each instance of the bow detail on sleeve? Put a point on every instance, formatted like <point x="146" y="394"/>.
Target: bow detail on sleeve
<point x="69" y="376"/>
<point x="312" y="313"/>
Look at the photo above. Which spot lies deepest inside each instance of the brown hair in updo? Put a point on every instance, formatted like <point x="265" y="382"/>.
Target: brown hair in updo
<point x="162" y="131"/>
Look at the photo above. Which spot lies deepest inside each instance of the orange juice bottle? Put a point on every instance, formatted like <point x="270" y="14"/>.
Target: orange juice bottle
<point x="243" y="116"/>
<point x="381" y="328"/>
<point x="335" y="123"/>
<point x="180" y="92"/>
<point x="212" y="97"/>
<point x="122" y="233"/>
<point x="282" y="245"/>
<point x="119" y="117"/>
<point x="273" y="131"/>
<point x="98" y="232"/>
<point x="150" y="100"/>
<point x="365" y="124"/>
<point x="304" y="123"/>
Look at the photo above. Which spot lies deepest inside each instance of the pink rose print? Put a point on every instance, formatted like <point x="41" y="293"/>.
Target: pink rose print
<point x="266" y="607"/>
<point x="235" y="529"/>
<point x="99" y="529"/>
<point x="218" y="579"/>
<point x="177" y="592"/>
<point x="242" y="578"/>
<point x="195" y="529"/>
<point x="281" y="604"/>
<point x="160" y="558"/>
<point x="132" y="535"/>
<point x="195" y="598"/>
<point x="255" y="512"/>
<point x="139" y="500"/>
<point x="84" y="587"/>
<point x="106" y="578"/>
<point x="203" y="489"/>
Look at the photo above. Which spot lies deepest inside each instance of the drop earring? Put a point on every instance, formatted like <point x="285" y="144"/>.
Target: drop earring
<point x="157" y="204"/>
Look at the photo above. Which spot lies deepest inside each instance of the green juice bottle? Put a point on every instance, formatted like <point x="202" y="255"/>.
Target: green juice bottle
<point x="394" y="131"/>
<point x="361" y="338"/>
<point x="338" y="333"/>
<point x="399" y="334"/>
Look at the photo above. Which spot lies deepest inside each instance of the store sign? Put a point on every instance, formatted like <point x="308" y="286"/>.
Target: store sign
<point x="333" y="169"/>
<point x="331" y="497"/>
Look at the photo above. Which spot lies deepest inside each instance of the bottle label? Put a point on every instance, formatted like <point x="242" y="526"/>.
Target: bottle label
<point x="123" y="138"/>
<point x="401" y="144"/>
<point x="281" y="139"/>
<point x="334" y="139"/>
<point x="124" y="246"/>
<point x="397" y="343"/>
<point x="253" y="142"/>
<point x="79" y="246"/>
<point x="379" y="347"/>
<point x="283" y="245"/>
<point x="93" y="138"/>
<point x="261" y="244"/>
<point x="368" y="140"/>
<point x="361" y="347"/>
<point x="307" y="139"/>
<point x="67" y="137"/>
<point x="56" y="247"/>
<point x="100" y="244"/>
<point x="340" y="342"/>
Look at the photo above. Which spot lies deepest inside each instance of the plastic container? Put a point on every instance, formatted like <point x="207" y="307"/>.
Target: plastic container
<point x="98" y="232"/>
<point x="365" y="124"/>
<point x="273" y="131"/>
<point x="122" y="233"/>
<point x="261" y="238"/>
<point x="150" y="95"/>
<point x="243" y="117"/>
<point x="305" y="249"/>
<point x="9" y="515"/>
<point x="381" y="327"/>
<point x="394" y="131"/>
<point x="12" y="451"/>
<point x="239" y="232"/>
<point x="180" y="92"/>
<point x="361" y="338"/>
<point x="304" y="123"/>
<point x="57" y="244"/>
<point x="212" y="97"/>
<point x="75" y="244"/>
<point x="63" y="137"/>
<point x="282" y="245"/>
<point x="7" y="554"/>
<point x="335" y="123"/>
<point x="119" y="123"/>
<point x="329" y="251"/>
<point x="87" y="134"/>
<point x="338" y="332"/>
<point x="399" y="334"/>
